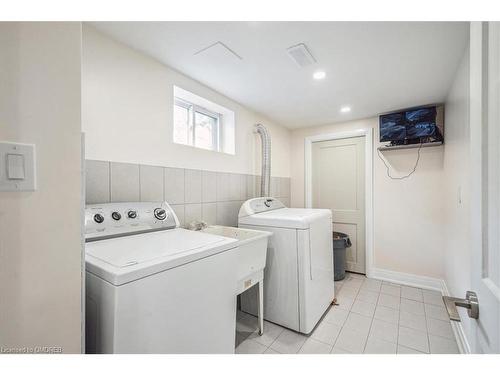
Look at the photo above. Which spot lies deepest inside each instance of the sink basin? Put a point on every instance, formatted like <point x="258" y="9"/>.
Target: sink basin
<point x="251" y="253"/>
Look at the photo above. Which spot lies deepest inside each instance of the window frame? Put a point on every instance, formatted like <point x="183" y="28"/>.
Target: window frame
<point x="217" y="132"/>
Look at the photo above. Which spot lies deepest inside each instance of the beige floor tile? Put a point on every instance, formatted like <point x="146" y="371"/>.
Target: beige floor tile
<point x="352" y="341"/>
<point x="391" y="290"/>
<point x="440" y="345"/>
<point x="376" y="346"/>
<point x="436" y="312"/>
<point x="367" y="296"/>
<point x="389" y="301"/>
<point x="312" y="346"/>
<point x="357" y="322"/>
<point x="250" y="347"/>
<point x="411" y="306"/>
<point x="336" y="316"/>
<point x="344" y="303"/>
<point x="371" y="285"/>
<point x="363" y="308"/>
<point x="271" y="351"/>
<point x="411" y="338"/>
<point x="432" y="297"/>
<point x="384" y="331"/>
<point x="414" y="294"/>
<point x="271" y="332"/>
<point x="415" y="321"/>
<point x="337" y="350"/>
<point x="441" y="328"/>
<point x="405" y="350"/>
<point x="288" y="342"/>
<point x="387" y="314"/>
<point x="326" y="332"/>
<point x="348" y="292"/>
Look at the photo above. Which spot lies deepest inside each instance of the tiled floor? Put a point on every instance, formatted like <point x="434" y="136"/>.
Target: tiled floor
<point x="372" y="317"/>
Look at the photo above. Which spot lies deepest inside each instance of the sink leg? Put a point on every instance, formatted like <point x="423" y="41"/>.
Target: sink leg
<point x="261" y="308"/>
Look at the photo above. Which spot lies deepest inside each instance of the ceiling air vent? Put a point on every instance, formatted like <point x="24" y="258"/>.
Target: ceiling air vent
<point x="301" y="55"/>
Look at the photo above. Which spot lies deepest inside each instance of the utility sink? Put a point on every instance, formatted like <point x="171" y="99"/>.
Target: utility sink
<point x="252" y="250"/>
<point x="251" y="260"/>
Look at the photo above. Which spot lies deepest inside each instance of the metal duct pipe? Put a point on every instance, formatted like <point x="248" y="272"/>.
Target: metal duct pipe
<point x="265" y="181"/>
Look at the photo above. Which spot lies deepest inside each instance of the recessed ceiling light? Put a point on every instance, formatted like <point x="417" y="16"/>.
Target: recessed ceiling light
<point x="319" y="74"/>
<point x="345" y="109"/>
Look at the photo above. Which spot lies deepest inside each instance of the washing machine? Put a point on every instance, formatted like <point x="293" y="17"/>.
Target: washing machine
<point x="298" y="278"/>
<point x="152" y="287"/>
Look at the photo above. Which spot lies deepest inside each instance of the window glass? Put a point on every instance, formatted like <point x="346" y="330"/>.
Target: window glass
<point x="205" y="133"/>
<point x="181" y="121"/>
<point x="201" y="123"/>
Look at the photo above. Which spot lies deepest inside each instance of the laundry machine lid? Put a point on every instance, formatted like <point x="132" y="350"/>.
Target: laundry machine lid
<point x="124" y="259"/>
<point x="252" y="213"/>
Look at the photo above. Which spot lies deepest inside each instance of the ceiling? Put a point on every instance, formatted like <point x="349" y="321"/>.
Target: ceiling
<point x="372" y="67"/>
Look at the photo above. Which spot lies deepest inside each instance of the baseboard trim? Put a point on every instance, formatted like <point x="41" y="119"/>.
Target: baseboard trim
<point x="424" y="282"/>
<point x="458" y="330"/>
<point x="409" y="279"/>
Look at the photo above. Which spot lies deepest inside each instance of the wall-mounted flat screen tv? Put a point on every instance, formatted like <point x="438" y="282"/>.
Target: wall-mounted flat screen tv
<point x="415" y="125"/>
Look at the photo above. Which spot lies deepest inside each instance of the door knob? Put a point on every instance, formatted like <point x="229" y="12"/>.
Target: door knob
<point x="470" y="302"/>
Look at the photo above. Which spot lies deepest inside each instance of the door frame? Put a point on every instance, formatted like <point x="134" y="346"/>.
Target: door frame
<point x="368" y="134"/>
<point x="483" y="220"/>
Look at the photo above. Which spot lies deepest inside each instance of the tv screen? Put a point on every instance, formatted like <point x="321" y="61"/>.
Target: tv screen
<point x="417" y="125"/>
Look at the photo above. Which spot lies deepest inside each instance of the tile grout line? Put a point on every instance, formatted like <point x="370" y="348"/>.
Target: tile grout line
<point x="350" y="310"/>
<point x="342" y="327"/>
<point x="140" y="185"/>
<point x="109" y="181"/>
<point x="426" y="327"/>
<point x="399" y="318"/>
<point x="373" y="317"/>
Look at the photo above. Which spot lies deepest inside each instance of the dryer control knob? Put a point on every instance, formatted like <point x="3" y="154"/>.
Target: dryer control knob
<point x="98" y="218"/>
<point x="116" y="215"/>
<point x="160" y="214"/>
<point x="132" y="214"/>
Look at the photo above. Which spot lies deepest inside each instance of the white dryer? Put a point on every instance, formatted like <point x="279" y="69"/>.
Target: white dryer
<point x="152" y="287"/>
<point x="298" y="278"/>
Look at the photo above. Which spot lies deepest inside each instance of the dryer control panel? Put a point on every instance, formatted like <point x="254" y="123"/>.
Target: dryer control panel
<point x="256" y="205"/>
<point x="110" y="220"/>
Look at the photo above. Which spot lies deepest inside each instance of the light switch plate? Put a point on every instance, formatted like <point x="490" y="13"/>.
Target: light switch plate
<point x="17" y="167"/>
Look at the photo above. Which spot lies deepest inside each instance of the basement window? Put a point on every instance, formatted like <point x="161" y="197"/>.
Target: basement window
<point x="201" y="123"/>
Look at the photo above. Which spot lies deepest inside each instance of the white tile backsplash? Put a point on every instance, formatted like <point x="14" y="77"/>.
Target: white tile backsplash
<point x="209" y="213"/>
<point x="227" y="213"/>
<point x="97" y="181"/>
<point x="275" y="187"/>
<point x="151" y="183"/>
<point x="208" y="187"/>
<point x="124" y="182"/>
<point x="179" y="212"/>
<point x="174" y="185"/>
<point x="214" y="197"/>
<point x="234" y="187"/>
<point x="192" y="212"/>
<point x="243" y="187"/>
<point x="222" y="187"/>
<point x="192" y="185"/>
<point x="250" y="186"/>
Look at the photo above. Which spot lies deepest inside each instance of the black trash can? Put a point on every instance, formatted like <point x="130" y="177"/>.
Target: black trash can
<point x="341" y="242"/>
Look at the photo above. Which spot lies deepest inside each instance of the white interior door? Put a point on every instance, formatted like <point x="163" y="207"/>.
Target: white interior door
<point x="338" y="183"/>
<point x="485" y="186"/>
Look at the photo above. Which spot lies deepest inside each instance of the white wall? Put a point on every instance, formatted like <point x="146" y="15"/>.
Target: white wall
<point x="456" y="181"/>
<point x="40" y="232"/>
<point x="127" y="114"/>
<point x="408" y="219"/>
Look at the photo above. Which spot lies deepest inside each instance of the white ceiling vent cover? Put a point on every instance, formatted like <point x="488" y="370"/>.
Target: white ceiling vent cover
<point x="219" y="46"/>
<point x="301" y="55"/>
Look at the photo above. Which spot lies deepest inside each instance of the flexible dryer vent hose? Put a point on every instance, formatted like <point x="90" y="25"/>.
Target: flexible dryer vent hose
<point x="265" y="181"/>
